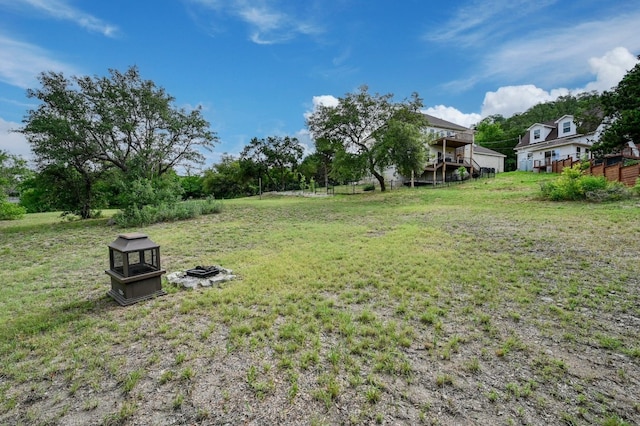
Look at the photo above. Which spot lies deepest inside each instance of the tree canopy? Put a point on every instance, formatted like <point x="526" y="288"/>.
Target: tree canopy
<point x="93" y="124"/>
<point x="371" y="132"/>
<point x="622" y="114"/>
<point x="228" y="179"/>
<point x="274" y="159"/>
<point x="13" y="170"/>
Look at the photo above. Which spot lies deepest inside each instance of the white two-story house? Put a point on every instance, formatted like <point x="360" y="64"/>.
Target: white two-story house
<point x="451" y="146"/>
<point x="544" y="143"/>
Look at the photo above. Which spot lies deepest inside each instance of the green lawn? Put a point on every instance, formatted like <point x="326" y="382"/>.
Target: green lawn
<point x="477" y="303"/>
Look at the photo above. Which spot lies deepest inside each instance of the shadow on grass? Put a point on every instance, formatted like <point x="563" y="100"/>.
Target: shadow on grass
<point x="48" y="320"/>
<point x="56" y="226"/>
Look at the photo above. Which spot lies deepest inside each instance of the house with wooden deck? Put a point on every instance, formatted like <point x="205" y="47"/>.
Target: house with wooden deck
<point x="544" y="143"/>
<point x="451" y="146"/>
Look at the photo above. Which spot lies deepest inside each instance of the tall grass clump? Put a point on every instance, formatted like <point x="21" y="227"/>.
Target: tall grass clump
<point x="10" y="211"/>
<point x="574" y="185"/>
<point x="146" y="215"/>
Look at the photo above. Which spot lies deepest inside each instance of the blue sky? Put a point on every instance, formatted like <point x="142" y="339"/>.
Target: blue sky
<point x="256" y="67"/>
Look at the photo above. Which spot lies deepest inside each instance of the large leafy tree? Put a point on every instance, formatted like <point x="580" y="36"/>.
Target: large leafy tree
<point x="622" y="114"/>
<point x="275" y="158"/>
<point x="488" y="131"/>
<point x="229" y="179"/>
<point x="92" y="124"/>
<point x="491" y="134"/>
<point x="373" y="131"/>
<point x="13" y="170"/>
<point x="57" y="187"/>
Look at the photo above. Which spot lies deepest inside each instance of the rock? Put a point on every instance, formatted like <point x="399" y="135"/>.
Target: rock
<point x="180" y="278"/>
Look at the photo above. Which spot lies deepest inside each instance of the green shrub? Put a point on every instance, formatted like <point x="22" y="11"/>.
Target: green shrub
<point x="369" y="187"/>
<point x="593" y="183"/>
<point x="614" y="191"/>
<point x="573" y="185"/>
<point x="146" y="215"/>
<point x="636" y="188"/>
<point x="11" y="211"/>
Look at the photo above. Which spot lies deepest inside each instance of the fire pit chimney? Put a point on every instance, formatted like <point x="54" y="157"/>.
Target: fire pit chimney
<point x="134" y="267"/>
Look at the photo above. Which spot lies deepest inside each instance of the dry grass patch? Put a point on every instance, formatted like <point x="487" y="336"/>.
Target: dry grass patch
<point x="477" y="303"/>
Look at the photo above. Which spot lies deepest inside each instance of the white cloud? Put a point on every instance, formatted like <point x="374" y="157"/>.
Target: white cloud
<point x="453" y="115"/>
<point x="477" y="22"/>
<point x="322" y="100"/>
<point x="13" y="143"/>
<point x="608" y="70"/>
<point x="325" y="100"/>
<point x="514" y="42"/>
<point x="509" y="100"/>
<point x="304" y="137"/>
<point x="61" y="9"/>
<point x="267" y="24"/>
<point x="561" y="56"/>
<point x="21" y="62"/>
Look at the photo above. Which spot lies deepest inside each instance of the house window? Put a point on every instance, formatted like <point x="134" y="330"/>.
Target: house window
<point x="578" y="152"/>
<point x="536" y="134"/>
<point x="550" y="156"/>
<point x="566" y="127"/>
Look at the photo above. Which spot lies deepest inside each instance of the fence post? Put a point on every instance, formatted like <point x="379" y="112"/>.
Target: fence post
<point x="620" y="177"/>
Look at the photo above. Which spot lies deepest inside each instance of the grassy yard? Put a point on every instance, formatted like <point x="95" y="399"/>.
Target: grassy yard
<point x="472" y="304"/>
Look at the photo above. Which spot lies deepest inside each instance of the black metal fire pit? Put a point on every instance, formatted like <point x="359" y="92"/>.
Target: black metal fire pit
<point x="134" y="267"/>
<point x="204" y="271"/>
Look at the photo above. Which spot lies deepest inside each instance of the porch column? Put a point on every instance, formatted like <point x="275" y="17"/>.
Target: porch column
<point x="473" y="142"/>
<point x="444" y="158"/>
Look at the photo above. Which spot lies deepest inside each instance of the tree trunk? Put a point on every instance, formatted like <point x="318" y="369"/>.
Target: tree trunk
<point x="85" y="209"/>
<point x="380" y="180"/>
<point x="85" y="201"/>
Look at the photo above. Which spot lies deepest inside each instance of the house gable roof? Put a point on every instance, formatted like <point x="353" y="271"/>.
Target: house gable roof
<point x="548" y="124"/>
<point x="444" y="124"/>
<point x="564" y="118"/>
<point x="552" y="138"/>
<point x="477" y="149"/>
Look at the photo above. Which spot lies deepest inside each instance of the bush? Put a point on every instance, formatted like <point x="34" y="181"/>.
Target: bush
<point x="562" y="190"/>
<point x="614" y="191"/>
<point x="573" y="185"/>
<point x="593" y="183"/>
<point x="369" y="187"/>
<point x="146" y="215"/>
<point x="11" y="211"/>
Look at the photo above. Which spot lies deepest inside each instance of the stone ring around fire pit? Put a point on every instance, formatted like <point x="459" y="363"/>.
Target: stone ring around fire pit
<point x="201" y="276"/>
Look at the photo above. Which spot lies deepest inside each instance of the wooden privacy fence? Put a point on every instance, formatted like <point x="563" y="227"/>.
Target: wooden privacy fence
<point x="615" y="172"/>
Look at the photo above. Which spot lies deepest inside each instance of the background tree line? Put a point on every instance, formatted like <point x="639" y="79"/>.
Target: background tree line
<point x="117" y="141"/>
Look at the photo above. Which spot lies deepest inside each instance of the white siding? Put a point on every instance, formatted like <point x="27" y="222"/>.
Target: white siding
<point x="491" y="161"/>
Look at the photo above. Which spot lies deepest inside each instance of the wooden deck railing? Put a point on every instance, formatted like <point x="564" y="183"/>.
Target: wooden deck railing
<point x="617" y="172"/>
